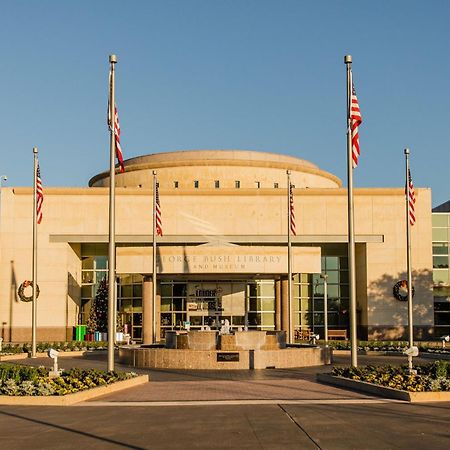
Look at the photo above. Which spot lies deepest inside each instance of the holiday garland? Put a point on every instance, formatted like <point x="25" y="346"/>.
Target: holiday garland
<point x="402" y="284"/>
<point x="21" y="291"/>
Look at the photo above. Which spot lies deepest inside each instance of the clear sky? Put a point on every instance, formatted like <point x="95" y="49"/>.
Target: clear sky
<point x="213" y="74"/>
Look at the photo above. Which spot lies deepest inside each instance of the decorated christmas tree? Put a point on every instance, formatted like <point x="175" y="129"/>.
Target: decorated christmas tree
<point x="98" y="316"/>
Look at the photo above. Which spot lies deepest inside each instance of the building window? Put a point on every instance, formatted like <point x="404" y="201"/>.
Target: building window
<point x="258" y="184"/>
<point x="94" y="270"/>
<point x="196" y="184"/>
<point x="261" y="305"/>
<point x="308" y="294"/>
<point x="275" y="185"/>
<point x="441" y="272"/>
<point x="237" y="184"/>
<point x="129" y="305"/>
<point x="175" y="184"/>
<point x="217" y="184"/>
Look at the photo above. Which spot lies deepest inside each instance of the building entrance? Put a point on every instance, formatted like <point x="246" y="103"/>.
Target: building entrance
<point x="204" y="312"/>
<point x="200" y="304"/>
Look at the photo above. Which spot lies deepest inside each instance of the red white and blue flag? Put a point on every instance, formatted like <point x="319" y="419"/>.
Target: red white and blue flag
<point x="411" y="200"/>
<point x="116" y="136"/>
<point x="355" y="120"/>
<point x="158" y="217"/>
<point x="39" y="195"/>
<point x="292" y="225"/>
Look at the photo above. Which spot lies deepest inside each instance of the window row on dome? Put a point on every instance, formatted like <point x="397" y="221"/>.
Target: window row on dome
<point x="237" y="184"/>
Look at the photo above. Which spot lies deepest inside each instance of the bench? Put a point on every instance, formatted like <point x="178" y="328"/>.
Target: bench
<point x="337" y="334"/>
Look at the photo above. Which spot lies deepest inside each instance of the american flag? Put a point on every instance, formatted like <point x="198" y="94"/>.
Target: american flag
<point x="355" y="121"/>
<point x="39" y="195"/>
<point x="411" y="200"/>
<point x="116" y="136"/>
<point x="159" y="231"/>
<point x="291" y="211"/>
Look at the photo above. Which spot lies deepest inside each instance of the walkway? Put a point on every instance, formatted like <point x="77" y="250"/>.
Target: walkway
<point x="266" y="409"/>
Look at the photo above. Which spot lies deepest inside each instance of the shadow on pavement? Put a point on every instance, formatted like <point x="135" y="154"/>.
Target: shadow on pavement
<point x="77" y="432"/>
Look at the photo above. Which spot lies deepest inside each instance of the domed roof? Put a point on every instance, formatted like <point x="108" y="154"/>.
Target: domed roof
<point x="216" y="158"/>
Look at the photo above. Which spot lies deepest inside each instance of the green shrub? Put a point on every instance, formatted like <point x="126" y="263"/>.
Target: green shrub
<point x="20" y="373"/>
<point x="42" y="347"/>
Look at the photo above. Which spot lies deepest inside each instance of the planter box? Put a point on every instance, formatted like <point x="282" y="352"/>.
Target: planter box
<point x="70" y="399"/>
<point x="382" y="391"/>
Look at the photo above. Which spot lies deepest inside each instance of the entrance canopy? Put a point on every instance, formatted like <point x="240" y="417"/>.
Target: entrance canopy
<point x="205" y="259"/>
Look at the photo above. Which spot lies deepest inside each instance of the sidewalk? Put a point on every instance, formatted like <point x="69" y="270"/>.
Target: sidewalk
<point x="187" y="410"/>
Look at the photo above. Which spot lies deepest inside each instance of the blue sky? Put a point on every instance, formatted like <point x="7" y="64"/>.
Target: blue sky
<point x="239" y="74"/>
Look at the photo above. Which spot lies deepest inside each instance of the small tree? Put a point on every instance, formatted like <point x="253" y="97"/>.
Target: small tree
<point x="98" y="316"/>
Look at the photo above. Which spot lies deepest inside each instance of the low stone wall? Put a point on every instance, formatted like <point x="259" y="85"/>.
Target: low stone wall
<point x="163" y="358"/>
<point x="383" y="391"/>
<point x="235" y="341"/>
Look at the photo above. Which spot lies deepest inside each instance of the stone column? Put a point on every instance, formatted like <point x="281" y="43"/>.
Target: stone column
<point x="278" y="304"/>
<point x="147" y="313"/>
<point x="284" y="305"/>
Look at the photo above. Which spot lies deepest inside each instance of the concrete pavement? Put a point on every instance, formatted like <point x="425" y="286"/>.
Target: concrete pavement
<point x="266" y="409"/>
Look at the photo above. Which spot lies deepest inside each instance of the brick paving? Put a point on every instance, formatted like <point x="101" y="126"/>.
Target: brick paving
<point x="229" y="390"/>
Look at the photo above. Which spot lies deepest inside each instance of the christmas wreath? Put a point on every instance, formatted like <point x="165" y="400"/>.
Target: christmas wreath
<point x="21" y="292"/>
<point x="400" y="290"/>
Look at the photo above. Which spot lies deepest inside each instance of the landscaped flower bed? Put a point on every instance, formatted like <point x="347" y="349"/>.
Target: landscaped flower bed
<point x="34" y="381"/>
<point x="434" y="377"/>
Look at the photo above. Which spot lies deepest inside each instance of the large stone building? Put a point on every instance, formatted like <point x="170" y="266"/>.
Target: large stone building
<point x="223" y="253"/>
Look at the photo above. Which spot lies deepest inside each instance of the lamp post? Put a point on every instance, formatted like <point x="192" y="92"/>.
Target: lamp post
<point x="324" y="276"/>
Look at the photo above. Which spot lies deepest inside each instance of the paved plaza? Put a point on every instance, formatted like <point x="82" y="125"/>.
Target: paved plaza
<point x="260" y="409"/>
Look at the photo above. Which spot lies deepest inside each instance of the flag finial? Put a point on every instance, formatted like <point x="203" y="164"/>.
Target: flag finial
<point x="112" y="59"/>
<point x="348" y="59"/>
<point x="35" y="150"/>
<point x="406" y="151"/>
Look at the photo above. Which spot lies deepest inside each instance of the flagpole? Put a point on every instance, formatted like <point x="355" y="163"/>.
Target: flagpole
<point x="408" y="259"/>
<point x="34" y="264"/>
<point x="112" y="218"/>
<point x="290" y="329"/>
<point x="154" y="263"/>
<point x="351" y="235"/>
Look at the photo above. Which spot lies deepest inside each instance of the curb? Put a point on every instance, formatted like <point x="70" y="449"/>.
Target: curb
<point x="70" y="399"/>
<point x="382" y="391"/>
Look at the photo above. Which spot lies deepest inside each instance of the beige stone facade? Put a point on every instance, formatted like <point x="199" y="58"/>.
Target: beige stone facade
<point x="237" y="212"/>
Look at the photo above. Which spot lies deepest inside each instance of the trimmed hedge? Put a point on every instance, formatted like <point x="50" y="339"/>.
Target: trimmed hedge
<point x="71" y="346"/>
<point x="389" y="346"/>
